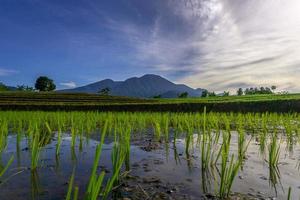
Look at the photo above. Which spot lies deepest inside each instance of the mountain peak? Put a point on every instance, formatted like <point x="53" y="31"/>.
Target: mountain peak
<point x="146" y="86"/>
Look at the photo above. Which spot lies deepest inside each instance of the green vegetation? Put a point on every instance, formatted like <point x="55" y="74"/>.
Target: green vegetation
<point x="104" y="91"/>
<point x="3" y="87"/>
<point x="44" y="84"/>
<point x="212" y="132"/>
<point x="52" y="101"/>
<point x="183" y="95"/>
<point x="4" y="169"/>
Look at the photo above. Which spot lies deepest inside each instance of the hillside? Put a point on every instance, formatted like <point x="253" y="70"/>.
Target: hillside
<point x="146" y="86"/>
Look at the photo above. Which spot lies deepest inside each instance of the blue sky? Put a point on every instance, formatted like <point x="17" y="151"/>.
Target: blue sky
<point x="214" y="44"/>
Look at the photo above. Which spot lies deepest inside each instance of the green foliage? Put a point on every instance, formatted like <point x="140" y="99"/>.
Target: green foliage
<point x="104" y="91"/>
<point x="25" y="88"/>
<point x="240" y="92"/>
<point x="157" y="97"/>
<point x="214" y="131"/>
<point x="2" y="171"/>
<point x="204" y="93"/>
<point x="44" y="84"/>
<point x="226" y="93"/>
<point x="183" y="95"/>
<point x="255" y="91"/>
<point x="3" y="87"/>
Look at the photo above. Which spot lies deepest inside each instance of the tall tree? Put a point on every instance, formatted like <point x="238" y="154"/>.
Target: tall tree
<point x="104" y="91"/>
<point x="204" y="93"/>
<point x="3" y="87"/>
<point x="240" y="92"/>
<point x="45" y="84"/>
<point x="183" y="95"/>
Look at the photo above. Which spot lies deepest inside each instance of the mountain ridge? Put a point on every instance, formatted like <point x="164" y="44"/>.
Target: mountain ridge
<point x="146" y="86"/>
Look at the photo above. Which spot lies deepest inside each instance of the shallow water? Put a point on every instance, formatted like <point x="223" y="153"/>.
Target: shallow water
<point x="157" y="168"/>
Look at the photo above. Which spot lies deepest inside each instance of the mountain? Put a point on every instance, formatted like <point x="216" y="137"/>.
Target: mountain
<point x="146" y="86"/>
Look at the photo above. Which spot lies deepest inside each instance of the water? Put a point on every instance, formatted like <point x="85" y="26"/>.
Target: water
<point x="158" y="170"/>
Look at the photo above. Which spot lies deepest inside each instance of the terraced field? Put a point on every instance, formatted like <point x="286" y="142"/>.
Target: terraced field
<point x="80" y="101"/>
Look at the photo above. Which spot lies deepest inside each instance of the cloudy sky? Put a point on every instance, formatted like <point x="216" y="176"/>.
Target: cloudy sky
<point x="214" y="44"/>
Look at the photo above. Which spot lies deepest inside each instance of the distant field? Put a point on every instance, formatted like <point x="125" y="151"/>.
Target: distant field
<point x="78" y="101"/>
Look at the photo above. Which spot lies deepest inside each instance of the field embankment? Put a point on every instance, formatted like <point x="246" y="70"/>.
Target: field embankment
<point x="89" y="102"/>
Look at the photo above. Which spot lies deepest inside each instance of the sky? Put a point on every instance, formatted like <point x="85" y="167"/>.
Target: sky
<point x="214" y="44"/>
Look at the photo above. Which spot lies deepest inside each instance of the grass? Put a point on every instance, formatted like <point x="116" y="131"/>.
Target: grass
<point x="214" y="131"/>
<point x="79" y="101"/>
<point x="4" y="169"/>
<point x="35" y="148"/>
<point x="70" y="188"/>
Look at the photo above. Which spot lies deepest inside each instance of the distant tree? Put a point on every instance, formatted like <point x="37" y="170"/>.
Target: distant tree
<point x="204" y="93"/>
<point x="25" y="88"/>
<point x="104" y="91"/>
<point x="3" y="87"/>
<point x="226" y="93"/>
<point x="240" y="92"/>
<point x="183" y="95"/>
<point x="212" y="94"/>
<point x="157" y="96"/>
<point x="273" y="87"/>
<point x="44" y="84"/>
<point x="261" y="90"/>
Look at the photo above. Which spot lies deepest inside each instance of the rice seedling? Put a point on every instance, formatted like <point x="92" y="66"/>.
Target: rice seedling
<point x="59" y="140"/>
<point x="35" y="148"/>
<point x="229" y="170"/>
<point x="289" y="193"/>
<point x="95" y="183"/>
<point x="274" y="151"/>
<point x="213" y="132"/>
<point x="35" y="184"/>
<point x="70" y="188"/>
<point x="4" y="169"/>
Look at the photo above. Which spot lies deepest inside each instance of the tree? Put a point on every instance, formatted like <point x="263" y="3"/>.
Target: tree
<point x="157" y="96"/>
<point x="3" y="87"/>
<point x="240" y="92"/>
<point x="226" y="93"/>
<point x="212" y="94"/>
<point x="204" y="93"/>
<point x="25" y="88"/>
<point x="44" y="84"/>
<point x="104" y="91"/>
<point x="183" y="95"/>
<point x="273" y="87"/>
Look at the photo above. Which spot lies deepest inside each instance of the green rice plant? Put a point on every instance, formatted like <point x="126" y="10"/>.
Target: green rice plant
<point x="274" y="151"/>
<point x="289" y="193"/>
<point x="242" y="142"/>
<point x="76" y="190"/>
<point x="73" y="136"/>
<point x="118" y="157"/>
<point x="263" y="136"/>
<point x="35" y="184"/>
<point x="4" y="169"/>
<point x="127" y="147"/>
<point x="229" y="170"/>
<point x="70" y="188"/>
<point x="35" y="148"/>
<point x="3" y="135"/>
<point x="59" y="140"/>
<point x="95" y="182"/>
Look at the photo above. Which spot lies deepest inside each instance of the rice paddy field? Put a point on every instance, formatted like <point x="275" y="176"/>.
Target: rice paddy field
<point x="55" y="101"/>
<point x="149" y="155"/>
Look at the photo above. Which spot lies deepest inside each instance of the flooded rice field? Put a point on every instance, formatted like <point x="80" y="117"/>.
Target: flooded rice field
<point x="148" y="156"/>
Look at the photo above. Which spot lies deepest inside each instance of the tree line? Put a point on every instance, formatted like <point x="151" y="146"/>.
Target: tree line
<point x="42" y="84"/>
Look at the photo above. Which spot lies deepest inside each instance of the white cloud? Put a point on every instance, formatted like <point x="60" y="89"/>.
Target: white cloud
<point x="226" y="44"/>
<point x="7" y="72"/>
<point x="70" y="84"/>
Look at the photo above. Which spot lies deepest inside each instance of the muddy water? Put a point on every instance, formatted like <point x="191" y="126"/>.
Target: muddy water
<point x="158" y="171"/>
